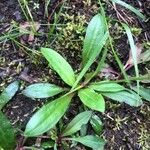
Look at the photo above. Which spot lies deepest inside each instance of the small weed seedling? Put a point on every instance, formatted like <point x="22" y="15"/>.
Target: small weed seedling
<point x="91" y="94"/>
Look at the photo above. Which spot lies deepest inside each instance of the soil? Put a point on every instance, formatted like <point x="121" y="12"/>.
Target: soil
<point x="125" y="127"/>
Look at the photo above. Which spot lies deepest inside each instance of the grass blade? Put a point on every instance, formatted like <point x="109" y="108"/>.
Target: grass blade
<point x="133" y="50"/>
<point x="119" y="61"/>
<point x="112" y="47"/>
<point x="137" y="12"/>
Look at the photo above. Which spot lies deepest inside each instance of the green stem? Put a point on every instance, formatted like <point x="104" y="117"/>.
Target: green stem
<point x="113" y="50"/>
<point x="99" y="67"/>
<point x="130" y="79"/>
<point x="74" y="90"/>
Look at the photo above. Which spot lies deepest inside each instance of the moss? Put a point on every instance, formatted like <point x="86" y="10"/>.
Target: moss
<point x="71" y="36"/>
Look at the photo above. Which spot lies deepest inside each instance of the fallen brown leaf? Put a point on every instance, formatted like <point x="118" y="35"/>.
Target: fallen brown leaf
<point x="108" y="72"/>
<point x="129" y="62"/>
<point x="25" y="77"/>
<point x="27" y="28"/>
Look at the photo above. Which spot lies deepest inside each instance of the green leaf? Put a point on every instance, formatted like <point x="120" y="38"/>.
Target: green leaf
<point x="121" y="66"/>
<point x="133" y="51"/>
<point x="94" y="33"/>
<point x="42" y="90"/>
<point x="90" y="141"/>
<point x="106" y="87"/>
<point x="92" y="59"/>
<point x="137" y="12"/>
<point x="144" y="92"/>
<point x="130" y="98"/>
<point x="7" y="135"/>
<point x="76" y="124"/>
<point x="95" y="39"/>
<point x="83" y="130"/>
<point x="96" y="124"/>
<point x="8" y="93"/>
<point x="92" y="99"/>
<point x="60" y="65"/>
<point x="46" y="118"/>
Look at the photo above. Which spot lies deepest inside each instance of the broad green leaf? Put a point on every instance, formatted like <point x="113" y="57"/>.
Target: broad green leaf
<point x="60" y="65"/>
<point x="96" y="124"/>
<point x="144" y="92"/>
<point x="92" y="59"/>
<point x="130" y="98"/>
<point x="136" y="11"/>
<point x="133" y="51"/>
<point x="76" y="124"/>
<point x="94" y="33"/>
<point x="46" y="118"/>
<point x="8" y="93"/>
<point x="42" y="90"/>
<point x="7" y="135"/>
<point x="92" y="99"/>
<point x="106" y="87"/>
<point x="90" y="141"/>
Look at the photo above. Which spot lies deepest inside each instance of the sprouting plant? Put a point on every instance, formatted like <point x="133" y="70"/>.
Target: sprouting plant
<point x="24" y="5"/>
<point x="68" y="132"/>
<point x="7" y="134"/>
<point x="90" y="93"/>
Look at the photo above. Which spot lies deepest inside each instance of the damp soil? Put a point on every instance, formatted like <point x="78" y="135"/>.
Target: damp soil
<point x="125" y="127"/>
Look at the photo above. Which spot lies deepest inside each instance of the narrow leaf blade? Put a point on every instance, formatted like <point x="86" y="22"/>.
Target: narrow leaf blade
<point x="92" y="99"/>
<point x="7" y="135"/>
<point x="106" y="87"/>
<point x="137" y="12"/>
<point x="60" y="65"/>
<point x="76" y="124"/>
<point x="42" y="90"/>
<point x="47" y="116"/>
<point x="8" y="93"/>
<point x="130" y="98"/>
<point x="133" y="50"/>
<point x="90" y="141"/>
